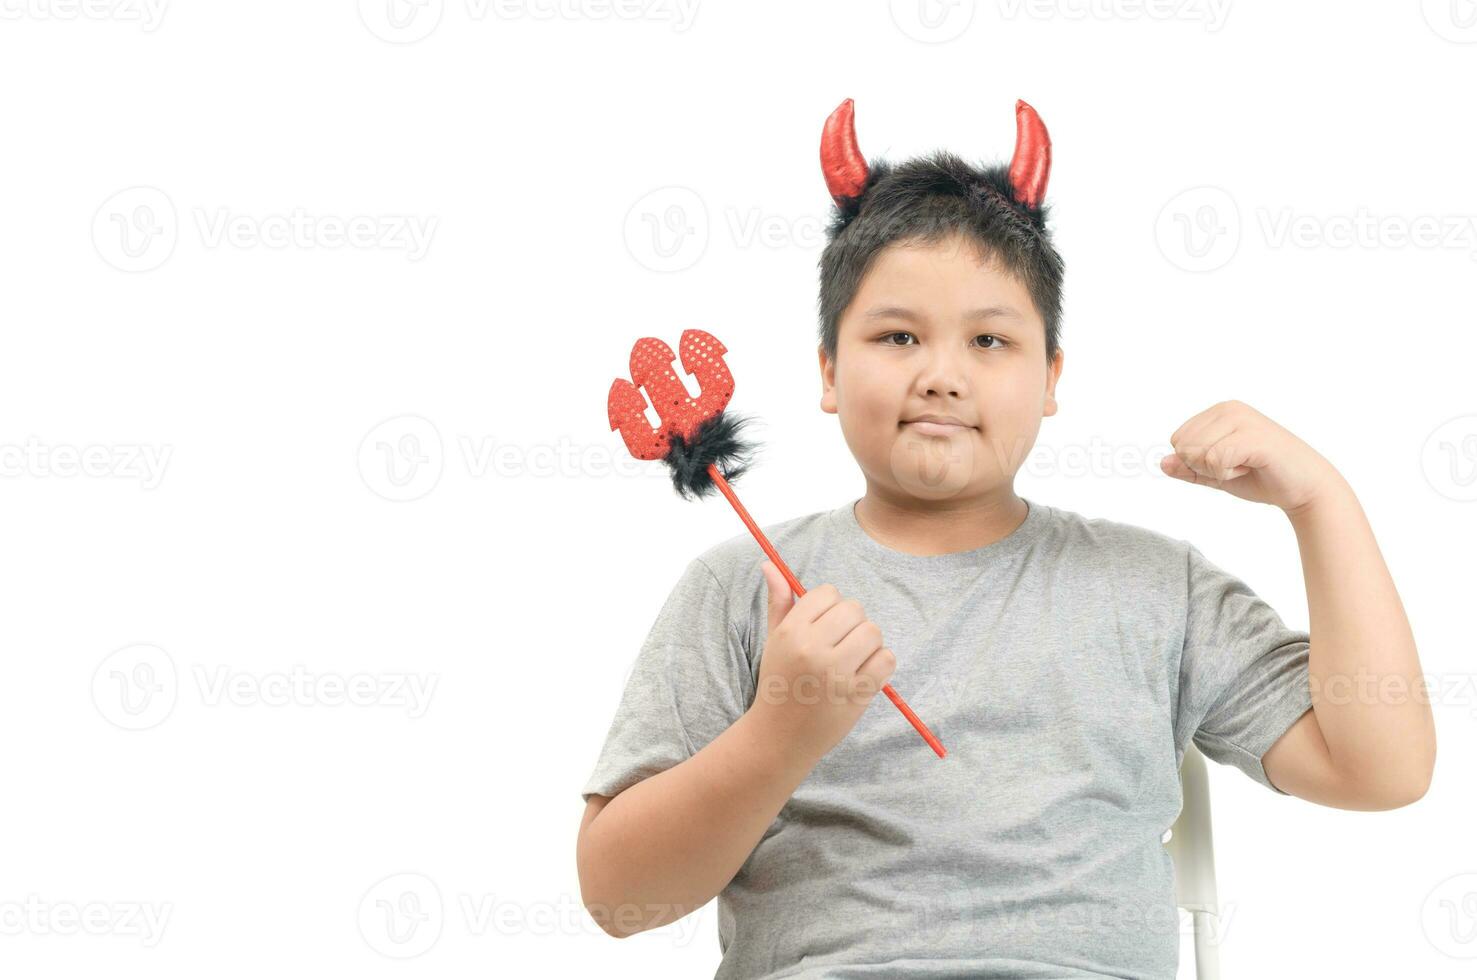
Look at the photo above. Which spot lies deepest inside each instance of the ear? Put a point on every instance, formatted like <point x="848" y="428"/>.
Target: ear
<point x="828" y="381"/>
<point x="1052" y="374"/>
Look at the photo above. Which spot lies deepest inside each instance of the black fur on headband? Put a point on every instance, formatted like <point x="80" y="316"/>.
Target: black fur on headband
<point x="987" y="188"/>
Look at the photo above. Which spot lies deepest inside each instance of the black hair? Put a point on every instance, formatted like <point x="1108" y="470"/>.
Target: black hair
<point x="926" y="200"/>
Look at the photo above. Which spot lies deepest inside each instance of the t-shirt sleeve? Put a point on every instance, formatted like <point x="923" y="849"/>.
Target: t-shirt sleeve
<point x="1243" y="672"/>
<point x="690" y="682"/>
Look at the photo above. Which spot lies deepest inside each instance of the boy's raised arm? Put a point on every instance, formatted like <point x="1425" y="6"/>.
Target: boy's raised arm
<point x="1370" y="741"/>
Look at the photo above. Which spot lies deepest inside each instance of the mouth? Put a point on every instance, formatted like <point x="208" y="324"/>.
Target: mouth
<point x="936" y="425"/>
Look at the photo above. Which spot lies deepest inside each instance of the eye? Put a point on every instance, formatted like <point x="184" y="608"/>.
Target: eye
<point x="896" y="333"/>
<point x="998" y="341"/>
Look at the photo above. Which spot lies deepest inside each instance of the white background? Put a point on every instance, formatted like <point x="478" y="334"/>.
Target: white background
<point x="385" y="462"/>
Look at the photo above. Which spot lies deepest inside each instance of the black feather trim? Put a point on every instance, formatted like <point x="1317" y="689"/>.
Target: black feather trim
<point x="716" y="441"/>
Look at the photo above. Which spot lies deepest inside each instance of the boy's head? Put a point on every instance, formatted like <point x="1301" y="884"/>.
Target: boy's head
<point x="940" y="295"/>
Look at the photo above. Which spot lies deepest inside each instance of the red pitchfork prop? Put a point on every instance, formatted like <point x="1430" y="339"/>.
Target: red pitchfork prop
<point x="699" y="442"/>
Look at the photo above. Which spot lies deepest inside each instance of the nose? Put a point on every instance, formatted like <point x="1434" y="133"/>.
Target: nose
<point x="942" y="375"/>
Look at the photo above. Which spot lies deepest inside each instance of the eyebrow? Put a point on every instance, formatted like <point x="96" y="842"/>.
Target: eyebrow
<point x="903" y="313"/>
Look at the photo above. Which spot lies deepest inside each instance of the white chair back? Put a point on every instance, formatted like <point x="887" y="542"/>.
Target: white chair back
<point x="1191" y="847"/>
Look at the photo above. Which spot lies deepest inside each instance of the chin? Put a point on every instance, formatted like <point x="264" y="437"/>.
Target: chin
<point x="937" y="467"/>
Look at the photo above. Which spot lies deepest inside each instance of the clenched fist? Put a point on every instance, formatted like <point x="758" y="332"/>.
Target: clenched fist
<point x="823" y="663"/>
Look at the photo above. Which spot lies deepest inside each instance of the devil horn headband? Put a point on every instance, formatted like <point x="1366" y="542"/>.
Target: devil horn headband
<point x="845" y="168"/>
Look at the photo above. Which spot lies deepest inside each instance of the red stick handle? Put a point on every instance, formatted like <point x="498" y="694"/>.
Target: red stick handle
<point x="774" y="556"/>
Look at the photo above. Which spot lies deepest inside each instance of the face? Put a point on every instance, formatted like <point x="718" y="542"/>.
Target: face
<point x="937" y="330"/>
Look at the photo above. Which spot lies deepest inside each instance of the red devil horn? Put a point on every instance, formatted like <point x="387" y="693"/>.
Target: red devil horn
<point x="1031" y="164"/>
<point x="841" y="159"/>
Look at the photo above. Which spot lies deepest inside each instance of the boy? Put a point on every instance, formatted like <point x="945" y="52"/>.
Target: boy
<point x="1065" y="662"/>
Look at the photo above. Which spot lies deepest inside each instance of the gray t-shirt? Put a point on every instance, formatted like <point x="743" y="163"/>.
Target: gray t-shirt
<point x="1065" y="667"/>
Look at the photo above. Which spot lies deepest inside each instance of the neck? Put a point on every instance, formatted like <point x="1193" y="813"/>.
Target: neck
<point x="939" y="527"/>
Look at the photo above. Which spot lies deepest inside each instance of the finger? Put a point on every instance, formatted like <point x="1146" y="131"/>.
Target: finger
<point x="835" y="623"/>
<point x="1194" y="422"/>
<point x="814" y="603"/>
<point x="1180" y="470"/>
<point x="873" y="674"/>
<point x="781" y="599"/>
<point x="1173" y="466"/>
<point x="1227" y="458"/>
<point x="1224" y="457"/>
<point x="857" y="646"/>
<point x="1195" y="442"/>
